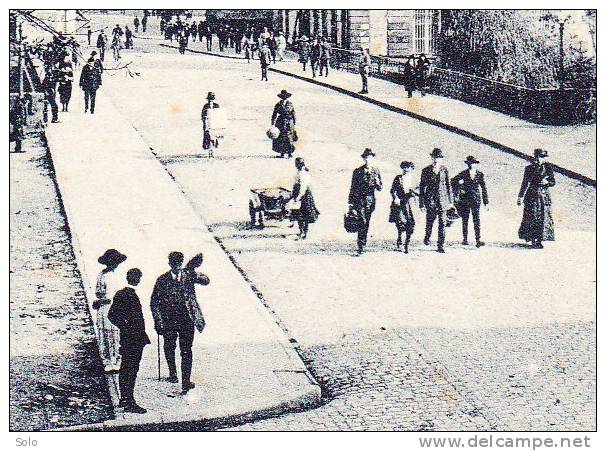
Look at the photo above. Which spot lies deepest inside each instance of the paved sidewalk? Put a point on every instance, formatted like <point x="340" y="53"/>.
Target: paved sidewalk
<point x="567" y="145"/>
<point x="116" y="194"/>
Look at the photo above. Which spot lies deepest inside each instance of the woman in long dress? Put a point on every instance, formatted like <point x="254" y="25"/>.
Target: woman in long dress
<point x="403" y="190"/>
<point x="210" y="140"/>
<point x="284" y="119"/>
<point x="108" y="335"/>
<point x="537" y="224"/>
<point x="65" y="84"/>
<point x="303" y="198"/>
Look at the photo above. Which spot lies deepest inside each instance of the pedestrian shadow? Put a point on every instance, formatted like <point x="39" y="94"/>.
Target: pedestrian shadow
<point x="184" y="158"/>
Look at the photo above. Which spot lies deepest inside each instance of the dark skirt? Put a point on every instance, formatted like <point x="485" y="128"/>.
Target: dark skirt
<point x="401" y="215"/>
<point x="537" y="223"/>
<point x="284" y="143"/>
<point x="308" y="211"/>
<point x="65" y="91"/>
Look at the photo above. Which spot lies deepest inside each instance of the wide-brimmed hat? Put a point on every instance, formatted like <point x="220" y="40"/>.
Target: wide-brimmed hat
<point x="111" y="257"/>
<point x="93" y="53"/>
<point x="471" y="160"/>
<point x="540" y="153"/>
<point x="210" y="96"/>
<point x="436" y="153"/>
<point x="284" y="94"/>
<point x="407" y="164"/>
<point x="368" y="152"/>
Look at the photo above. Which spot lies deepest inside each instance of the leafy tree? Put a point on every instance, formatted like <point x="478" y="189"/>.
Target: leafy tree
<point x="512" y="46"/>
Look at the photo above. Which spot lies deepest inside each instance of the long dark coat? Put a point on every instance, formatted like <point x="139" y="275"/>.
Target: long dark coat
<point x="401" y="215"/>
<point x="364" y="182"/>
<point x="284" y="119"/>
<point x="537" y="223"/>
<point x="90" y="78"/>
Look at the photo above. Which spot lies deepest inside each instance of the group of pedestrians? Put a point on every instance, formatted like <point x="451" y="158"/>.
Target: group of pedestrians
<point x="316" y="52"/>
<point x="445" y="200"/>
<point x="120" y="322"/>
<point x="442" y="199"/>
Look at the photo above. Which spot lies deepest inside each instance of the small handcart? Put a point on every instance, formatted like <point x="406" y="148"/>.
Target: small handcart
<point x="268" y="203"/>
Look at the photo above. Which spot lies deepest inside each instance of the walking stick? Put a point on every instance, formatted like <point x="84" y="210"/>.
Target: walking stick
<point x="158" y="335"/>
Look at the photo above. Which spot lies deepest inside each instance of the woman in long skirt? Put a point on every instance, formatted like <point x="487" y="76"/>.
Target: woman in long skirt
<point x="108" y="335"/>
<point x="303" y="198"/>
<point x="210" y="140"/>
<point x="537" y="224"/>
<point x="284" y="119"/>
<point x="403" y="190"/>
<point x="65" y="84"/>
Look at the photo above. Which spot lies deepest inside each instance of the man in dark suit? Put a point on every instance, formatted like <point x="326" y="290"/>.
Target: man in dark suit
<point x="173" y="317"/>
<point x="364" y="182"/>
<point x="435" y="197"/>
<point x="126" y="314"/>
<point x="90" y="81"/>
<point x="470" y="193"/>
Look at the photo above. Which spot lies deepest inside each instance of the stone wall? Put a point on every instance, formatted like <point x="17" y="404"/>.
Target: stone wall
<point x="400" y="29"/>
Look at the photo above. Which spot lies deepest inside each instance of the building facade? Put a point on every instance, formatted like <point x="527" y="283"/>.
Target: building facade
<point x="397" y="33"/>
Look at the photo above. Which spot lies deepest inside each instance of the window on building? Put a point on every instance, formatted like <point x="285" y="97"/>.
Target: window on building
<point x="424" y="31"/>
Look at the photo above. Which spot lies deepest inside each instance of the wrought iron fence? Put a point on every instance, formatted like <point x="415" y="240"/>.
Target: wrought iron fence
<point x="544" y="106"/>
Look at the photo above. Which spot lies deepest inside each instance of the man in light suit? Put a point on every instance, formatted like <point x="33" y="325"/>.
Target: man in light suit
<point x="435" y="197"/>
<point x="364" y="182"/>
<point x="470" y="193"/>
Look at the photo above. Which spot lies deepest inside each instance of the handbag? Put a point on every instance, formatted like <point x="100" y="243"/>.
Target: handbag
<point x="351" y="221"/>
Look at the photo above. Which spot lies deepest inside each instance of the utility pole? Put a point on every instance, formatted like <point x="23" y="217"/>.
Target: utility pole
<point x="21" y="56"/>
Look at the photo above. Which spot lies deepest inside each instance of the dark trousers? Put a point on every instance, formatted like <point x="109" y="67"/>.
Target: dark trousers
<point x="264" y="72"/>
<point x="89" y="96"/>
<point x="209" y="43"/>
<point x="185" y="333"/>
<point x="54" y="108"/>
<point x="464" y="211"/>
<point x="131" y="357"/>
<point x="432" y="214"/>
<point x="102" y="53"/>
<point x="323" y="65"/>
<point x="364" y="76"/>
<point x="365" y="215"/>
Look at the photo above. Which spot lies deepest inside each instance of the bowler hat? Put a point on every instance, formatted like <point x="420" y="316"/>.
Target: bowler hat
<point x="436" y="153"/>
<point x="368" y="152"/>
<point x="540" y="153"/>
<point x="210" y="96"/>
<point x="284" y="94"/>
<point x="111" y="257"/>
<point x="471" y="160"/>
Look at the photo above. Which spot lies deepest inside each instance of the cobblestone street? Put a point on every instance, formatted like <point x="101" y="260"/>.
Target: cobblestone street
<point x="491" y="339"/>
<point x="479" y="347"/>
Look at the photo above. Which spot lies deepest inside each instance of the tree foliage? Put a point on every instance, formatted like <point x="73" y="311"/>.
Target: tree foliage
<point x="512" y="46"/>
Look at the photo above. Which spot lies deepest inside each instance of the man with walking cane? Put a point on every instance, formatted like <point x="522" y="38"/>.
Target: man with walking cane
<point x="177" y="314"/>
